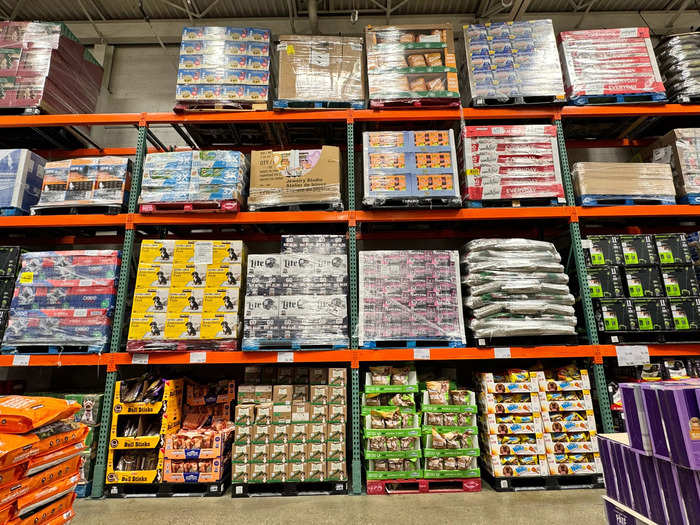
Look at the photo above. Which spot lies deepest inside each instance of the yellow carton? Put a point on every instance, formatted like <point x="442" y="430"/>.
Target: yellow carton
<point x="114" y="476"/>
<point x="150" y="327"/>
<point x="185" y="326"/>
<point x="221" y="326"/>
<point x="157" y="275"/>
<point x="190" y="276"/>
<point x="184" y="252"/>
<point x="224" y="276"/>
<point x="228" y="252"/>
<point x="186" y="301"/>
<point x="156" y="251"/>
<point x="223" y="301"/>
<point x="152" y="301"/>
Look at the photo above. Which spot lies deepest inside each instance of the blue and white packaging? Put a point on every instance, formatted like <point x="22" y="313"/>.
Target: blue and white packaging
<point x="21" y="177"/>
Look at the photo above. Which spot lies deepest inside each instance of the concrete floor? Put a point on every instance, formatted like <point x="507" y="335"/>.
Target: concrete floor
<point x="572" y="507"/>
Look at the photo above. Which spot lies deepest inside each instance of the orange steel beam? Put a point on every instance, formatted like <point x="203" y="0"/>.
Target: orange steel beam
<point x="59" y="360"/>
<point x="463" y="214"/>
<point x="183" y="358"/>
<point x="62" y="221"/>
<point x="659" y="350"/>
<point x="75" y="119"/>
<point x="631" y="110"/>
<point x="676" y="210"/>
<point x="244" y="217"/>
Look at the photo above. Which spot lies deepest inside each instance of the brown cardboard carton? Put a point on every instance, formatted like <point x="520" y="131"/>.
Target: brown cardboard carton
<point x="335" y="432"/>
<point x="263" y="414"/>
<point x="680" y="149"/>
<point x="251" y="375"/>
<point x="277" y="452"/>
<point x="622" y="178"/>
<point x="300" y="375"/>
<point x="337" y="376"/>
<point x="336" y="471"/>
<point x="318" y="394"/>
<point x="337" y="395"/>
<point x="246" y="394"/>
<point x="296" y="471"/>
<point x="244" y="414"/>
<point x="279" y="178"/>
<point x="301" y="412"/>
<point x="242" y="435"/>
<point x="263" y="393"/>
<point x="268" y="375"/>
<point x="315" y="452"/>
<point x="320" y="68"/>
<point x="284" y="375"/>
<point x="282" y="394"/>
<point x="278" y="433"/>
<point x="281" y="414"/>
<point x="258" y="453"/>
<point x="296" y="433"/>
<point x="318" y="376"/>
<point x="239" y="473"/>
<point x="260" y="434"/>
<point x="315" y="471"/>
<point x="257" y="473"/>
<point x="296" y="452"/>
<point x="319" y="413"/>
<point x="240" y="453"/>
<point x="335" y="451"/>
<point x="276" y="472"/>
<point x="316" y="432"/>
<point x="300" y="393"/>
<point x="337" y="413"/>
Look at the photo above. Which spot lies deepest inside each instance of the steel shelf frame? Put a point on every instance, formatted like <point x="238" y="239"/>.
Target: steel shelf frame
<point x="131" y="220"/>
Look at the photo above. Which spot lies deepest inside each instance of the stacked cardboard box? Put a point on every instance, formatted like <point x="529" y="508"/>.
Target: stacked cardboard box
<point x="223" y="65"/>
<point x="85" y="182"/>
<point x="295" y="178"/>
<point x="411" y="62"/>
<point x="9" y="264"/>
<point x="642" y="283"/>
<point x="44" y="66"/>
<point x="299" y="297"/>
<point x="21" y="175"/>
<point x="410" y="167"/>
<point x="139" y="428"/>
<point x="680" y="148"/>
<point x="187" y="295"/>
<point x="653" y="469"/>
<point x="593" y="180"/>
<point x="200" y="452"/>
<point x="507" y="60"/>
<point x="320" y="69"/>
<point x="64" y="298"/>
<point x="609" y="62"/>
<point x="510" y="162"/>
<point x="410" y="295"/>
<point x="294" y="430"/>
<point x="194" y="176"/>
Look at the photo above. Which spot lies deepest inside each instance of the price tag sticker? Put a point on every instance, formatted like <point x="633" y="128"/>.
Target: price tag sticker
<point x="586" y="244"/>
<point x="421" y="353"/>
<point x="632" y="355"/>
<point x="139" y="359"/>
<point x="198" y="357"/>
<point x="26" y="277"/>
<point x="501" y="353"/>
<point x="20" y="360"/>
<point x="285" y="357"/>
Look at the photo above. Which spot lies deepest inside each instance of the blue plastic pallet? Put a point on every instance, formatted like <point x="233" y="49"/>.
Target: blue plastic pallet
<point x="281" y="345"/>
<point x="691" y="198"/>
<point x="54" y="349"/>
<point x="12" y="212"/>
<point x="508" y="203"/>
<point x="83" y="490"/>
<point x="413" y="343"/>
<point x="317" y="104"/>
<point x="623" y="200"/>
<point x="627" y="98"/>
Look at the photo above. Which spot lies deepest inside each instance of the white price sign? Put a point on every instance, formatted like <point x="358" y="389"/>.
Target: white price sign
<point x="632" y="355"/>
<point x="285" y="357"/>
<point x="139" y="359"/>
<point x="198" y="357"/>
<point x="501" y="353"/>
<point x="20" y="360"/>
<point x="421" y="353"/>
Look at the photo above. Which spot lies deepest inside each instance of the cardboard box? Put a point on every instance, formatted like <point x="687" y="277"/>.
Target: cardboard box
<point x="281" y="414"/>
<point x="278" y="433"/>
<point x="280" y="178"/>
<point x="258" y="453"/>
<point x="300" y="393"/>
<point x="257" y="473"/>
<point x="296" y="452"/>
<point x="672" y="248"/>
<point x="601" y="250"/>
<point x="297" y="432"/>
<point x="319" y="413"/>
<point x="239" y="472"/>
<point x="246" y="394"/>
<point x="277" y="453"/>
<point x="296" y="471"/>
<point x="614" y="315"/>
<point x="336" y="471"/>
<point x="263" y="393"/>
<point x="653" y="314"/>
<point x="644" y="281"/>
<point x="638" y="250"/>
<point x="315" y="452"/>
<point x="605" y="282"/>
<point x="318" y="376"/>
<point x="21" y="176"/>
<point x="263" y="414"/>
<point x="282" y="394"/>
<point x="335" y="451"/>
<point x="186" y="471"/>
<point x="679" y="148"/>
<point x="284" y="375"/>
<point x="337" y="395"/>
<point x="337" y="376"/>
<point x="240" y="453"/>
<point x="318" y="394"/>
<point x="301" y="412"/>
<point x="244" y="414"/>
<point x="242" y="435"/>
<point x="320" y="68"/>
<point x="337" y="413"/>
<point x="335" y="432"/>
<point x="276" y="472"/>
<point x="315" y="471"/>
<point x="260" y="434"/>
<point x="316" y="432"/>
<point x="680" y="281"/>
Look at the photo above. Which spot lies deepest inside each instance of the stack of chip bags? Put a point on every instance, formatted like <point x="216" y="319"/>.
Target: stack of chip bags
<point x="40" y="447"/>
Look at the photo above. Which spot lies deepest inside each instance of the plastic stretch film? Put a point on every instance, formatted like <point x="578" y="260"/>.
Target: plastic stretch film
<point x="411" y="62"/>
<point x="507" y="60"/>
<point x="64" y="298"/>
<point x="679" y="62"/>
<point x="680" y="148"/>
<point x="410" y="294"/>
<point x="620" y="178"/>
<point x="320" y="68"/>
<point x="516" y="287"/>
<point x="609" y="62"/>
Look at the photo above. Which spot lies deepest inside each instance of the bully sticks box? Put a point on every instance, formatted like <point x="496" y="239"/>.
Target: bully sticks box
<point x="288" y="178"/>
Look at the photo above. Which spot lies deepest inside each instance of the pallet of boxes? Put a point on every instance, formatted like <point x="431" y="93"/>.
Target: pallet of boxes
<point x="41" y="448"/>
<point x="290" y="432"/>
<point x="197" y="459"/>
<point x="145" y="410"/>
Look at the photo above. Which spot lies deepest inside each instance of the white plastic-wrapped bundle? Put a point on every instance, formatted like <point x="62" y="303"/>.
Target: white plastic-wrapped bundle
<point x="516" y="287"/>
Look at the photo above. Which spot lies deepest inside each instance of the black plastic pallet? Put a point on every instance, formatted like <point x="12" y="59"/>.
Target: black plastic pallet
<point x="318" y="104"/>
<point x="650" y="337"/>
<point x="513" y="203"/>
<point x="54" y="349"/>
<point x="174" y="345"/>
<point x="408" y="202"/>
<point x="525" y="341"/>
<point x="626" y="98"/>
<point x="517" y="101"/>
<point x="184" y="107"/>
<point x="412" y="343"/>
<point x="330" y="206"/>
<point x="583" y="481"/>
<point x="92" y="209"/>
<point x="168" y="490"/>
<point x="289" y="488"/>
<point x="274" y="346"/>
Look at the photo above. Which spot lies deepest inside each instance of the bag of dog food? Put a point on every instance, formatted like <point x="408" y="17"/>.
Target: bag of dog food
<point x="16" y="448"/>
<point x="57" y="512"/>
<point x="11" y="492"/>
<point x="43" y="495"/>
<point x="21" y="414"/>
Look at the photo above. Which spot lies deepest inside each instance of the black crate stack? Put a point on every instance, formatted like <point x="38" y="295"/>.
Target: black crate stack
<point x="643" y="285"/>
<point x="9" y="264"/>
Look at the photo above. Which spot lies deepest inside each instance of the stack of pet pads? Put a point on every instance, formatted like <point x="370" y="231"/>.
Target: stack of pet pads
<point x="40" y="458"/>
<point x="516" y="287"/>
<point x="678" y="61"/>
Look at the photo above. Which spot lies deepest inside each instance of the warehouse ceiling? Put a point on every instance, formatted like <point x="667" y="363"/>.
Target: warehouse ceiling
<point x="157" y="21"/>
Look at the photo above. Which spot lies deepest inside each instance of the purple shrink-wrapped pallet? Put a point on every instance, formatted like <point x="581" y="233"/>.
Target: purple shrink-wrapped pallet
<point x="63" y="299"/>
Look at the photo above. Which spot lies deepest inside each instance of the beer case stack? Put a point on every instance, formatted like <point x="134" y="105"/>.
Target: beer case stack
<point x="290" y="431"/>
<point x="187" y="296"/>
<point x="168" y="412"/>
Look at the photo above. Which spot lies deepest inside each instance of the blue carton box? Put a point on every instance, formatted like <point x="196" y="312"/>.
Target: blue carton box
<point x="21" y="178"/>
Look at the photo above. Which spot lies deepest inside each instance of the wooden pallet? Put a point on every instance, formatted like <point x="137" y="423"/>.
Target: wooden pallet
<point x="289" y="488"/>
<point x="624" y="200"/>
<point x="87" y="209"/>
<point x="422" y="486"/>
<point x="623" y="98"/>
<point x="164" y="208"/>
<point x="585" y="481"/>
<point x="514" y="203"/>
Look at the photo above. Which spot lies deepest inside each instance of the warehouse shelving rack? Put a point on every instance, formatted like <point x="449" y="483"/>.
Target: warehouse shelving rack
<point x="351" y="219"/>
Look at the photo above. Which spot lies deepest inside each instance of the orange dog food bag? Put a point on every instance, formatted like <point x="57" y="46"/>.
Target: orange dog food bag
<point x="21" y="414"/>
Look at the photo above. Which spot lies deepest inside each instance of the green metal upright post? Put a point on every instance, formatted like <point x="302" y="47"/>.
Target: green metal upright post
<point x="118" y="321"/>
<point x="588" y="315"/>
